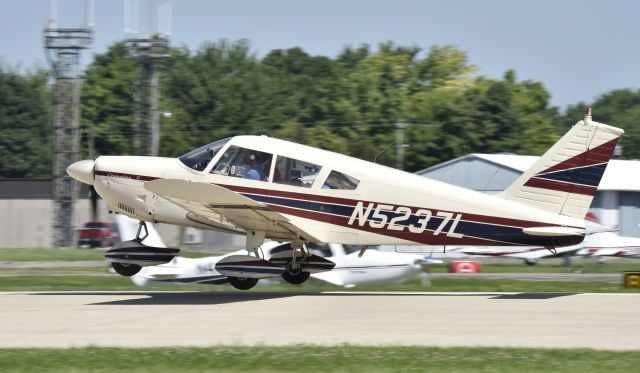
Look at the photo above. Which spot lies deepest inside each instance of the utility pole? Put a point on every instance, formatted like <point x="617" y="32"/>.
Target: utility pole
<point x="63" y="47"/>
<point x="146" y="127"/>
<point x="400" y="145"/>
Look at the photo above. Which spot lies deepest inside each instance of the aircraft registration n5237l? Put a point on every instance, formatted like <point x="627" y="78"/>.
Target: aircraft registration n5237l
<point x="268" y="188"/>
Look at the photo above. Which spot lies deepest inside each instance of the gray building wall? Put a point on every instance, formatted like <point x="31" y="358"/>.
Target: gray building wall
<point x="473" y="173"/>
<point x="28" y="222"/>
<point x="26" y="213"/>
<point x="630" y="214"/>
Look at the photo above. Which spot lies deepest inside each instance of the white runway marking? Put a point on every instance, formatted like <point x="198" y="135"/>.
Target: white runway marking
<point x="145" y="319"/>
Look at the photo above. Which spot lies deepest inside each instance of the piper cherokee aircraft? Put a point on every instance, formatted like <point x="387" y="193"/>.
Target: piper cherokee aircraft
<point x="263" y="187"/>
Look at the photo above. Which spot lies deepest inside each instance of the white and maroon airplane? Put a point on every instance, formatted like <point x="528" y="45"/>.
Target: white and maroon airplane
<point x="268" y="188"/>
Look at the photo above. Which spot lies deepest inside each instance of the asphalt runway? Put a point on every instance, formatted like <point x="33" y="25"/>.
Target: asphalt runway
<point x="146" y="319"/>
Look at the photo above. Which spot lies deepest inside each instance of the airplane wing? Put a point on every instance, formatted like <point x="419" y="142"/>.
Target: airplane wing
<point x="221" y="205"/>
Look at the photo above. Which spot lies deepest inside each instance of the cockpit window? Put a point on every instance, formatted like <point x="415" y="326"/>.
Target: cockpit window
<point x="199" y="158"/>
<point x="338" y="180"/>
<point x="295" y="172"/>
<point x="244" y="163"/>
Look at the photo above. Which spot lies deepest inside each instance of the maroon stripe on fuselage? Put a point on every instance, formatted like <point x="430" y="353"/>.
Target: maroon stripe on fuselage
<point x="351" y="202"/>
<point x="125" y="176"/>
<point x="426" y="238"/>
<point x="599" y="154"/>
<point x="562" y="187"/>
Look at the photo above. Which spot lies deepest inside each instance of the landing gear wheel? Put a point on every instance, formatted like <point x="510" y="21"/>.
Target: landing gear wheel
<point x="242" y="283"/>
<point x="295" y="278"/>
<point x="126" y="269"/>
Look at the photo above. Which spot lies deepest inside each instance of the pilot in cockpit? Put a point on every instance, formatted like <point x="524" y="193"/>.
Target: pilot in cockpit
<point x="255" y="171"/>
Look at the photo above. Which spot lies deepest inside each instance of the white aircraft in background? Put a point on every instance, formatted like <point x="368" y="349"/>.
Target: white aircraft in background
<point x="268" y="188"/>
<point x="609" y="244"/>
<point x="374" y="268"/>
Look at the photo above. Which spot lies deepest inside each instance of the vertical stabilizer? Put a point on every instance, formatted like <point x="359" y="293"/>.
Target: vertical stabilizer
<point x="565" y="179"/>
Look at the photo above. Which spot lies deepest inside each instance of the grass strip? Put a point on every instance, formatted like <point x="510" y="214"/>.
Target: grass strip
<point x="343" y="358"/>
<point x="67" y="254"/>
<point x="115" y="282"/>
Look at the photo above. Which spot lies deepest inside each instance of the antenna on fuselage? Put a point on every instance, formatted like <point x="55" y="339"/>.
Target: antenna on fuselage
<point x="587" y="116"/>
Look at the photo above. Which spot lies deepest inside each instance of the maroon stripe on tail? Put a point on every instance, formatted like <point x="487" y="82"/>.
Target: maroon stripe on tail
<point x="599" y="154"/>
<point x="562" y="187"/>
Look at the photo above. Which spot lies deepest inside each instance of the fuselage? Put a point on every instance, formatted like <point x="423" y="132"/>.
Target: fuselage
<point x="369" y="204"/>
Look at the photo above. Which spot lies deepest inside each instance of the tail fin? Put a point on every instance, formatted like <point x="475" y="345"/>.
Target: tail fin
<point x="565" y="179"/>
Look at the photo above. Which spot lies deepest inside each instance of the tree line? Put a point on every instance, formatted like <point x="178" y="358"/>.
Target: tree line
<point x="350" y="104"/>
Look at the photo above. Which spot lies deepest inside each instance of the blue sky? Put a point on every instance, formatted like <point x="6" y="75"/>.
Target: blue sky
<point x="578" y="49"/>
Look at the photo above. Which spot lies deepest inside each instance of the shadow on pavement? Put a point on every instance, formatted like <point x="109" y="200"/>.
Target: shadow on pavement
<point x="212" y="298"/>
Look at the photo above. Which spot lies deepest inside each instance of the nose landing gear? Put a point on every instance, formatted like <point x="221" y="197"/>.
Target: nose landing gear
<point x="125" y="269"/>
<point x="127" y="258"/>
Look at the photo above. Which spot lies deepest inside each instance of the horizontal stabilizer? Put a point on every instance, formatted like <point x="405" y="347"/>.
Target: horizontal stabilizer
<point x="553" y="231"/>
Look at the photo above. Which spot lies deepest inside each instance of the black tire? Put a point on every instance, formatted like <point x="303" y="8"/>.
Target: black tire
<point x="242" y="283"/>
<point x="295" y="278"/>
<point x="127" y="270"/>
<point x="530" y="262"/>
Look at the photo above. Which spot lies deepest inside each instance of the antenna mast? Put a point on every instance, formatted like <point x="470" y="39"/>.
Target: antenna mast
<point x="62" y="48"/>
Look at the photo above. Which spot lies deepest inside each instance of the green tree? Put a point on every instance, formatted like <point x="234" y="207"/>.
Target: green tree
<point x="108" y="101"/>
<point x="349" y="104"/>
<point x="621" y="108"/>
<point x="25" y="124"/>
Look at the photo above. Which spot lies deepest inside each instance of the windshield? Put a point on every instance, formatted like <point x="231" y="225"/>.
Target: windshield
<point x="198" y="159"/>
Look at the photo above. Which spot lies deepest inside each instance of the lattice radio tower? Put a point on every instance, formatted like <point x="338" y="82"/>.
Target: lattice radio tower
<point x="62" y="48"/>
<point x="148" y="47"/>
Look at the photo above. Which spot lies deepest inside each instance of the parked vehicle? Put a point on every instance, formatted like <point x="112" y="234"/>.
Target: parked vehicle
<point x="98" y="234"/>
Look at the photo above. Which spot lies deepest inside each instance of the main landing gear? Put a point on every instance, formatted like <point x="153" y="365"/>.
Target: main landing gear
<point x="299" y="263"/>
<point x="291" y="261"/>
<point x="295" y="276"/>
<point x="293" y="270"/>
<point x="242" y="283"/>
